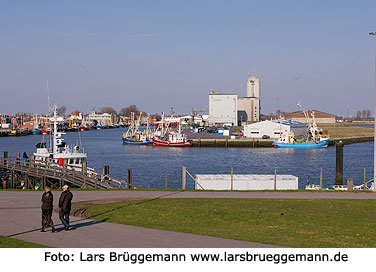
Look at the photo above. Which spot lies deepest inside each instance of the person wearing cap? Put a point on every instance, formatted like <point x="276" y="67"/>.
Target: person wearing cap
<point x="65" y="204"/>
<point x="47" y="207"/>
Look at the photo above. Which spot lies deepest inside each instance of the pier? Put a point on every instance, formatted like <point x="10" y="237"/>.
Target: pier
<point x="17" y="173"/>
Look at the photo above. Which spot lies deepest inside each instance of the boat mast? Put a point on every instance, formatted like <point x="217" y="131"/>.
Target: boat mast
<point x="55" y="148"/>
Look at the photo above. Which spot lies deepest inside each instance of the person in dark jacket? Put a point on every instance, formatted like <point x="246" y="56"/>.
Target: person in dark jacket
<point x="65" y="204"/>
<point x="47" y="208"/>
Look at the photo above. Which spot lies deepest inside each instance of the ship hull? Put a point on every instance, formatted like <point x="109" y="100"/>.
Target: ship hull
<point x="134" y="142"/>
<point x="322" y="143"/>
<point x="36" y="132"/>
<point x="168" y="144"/>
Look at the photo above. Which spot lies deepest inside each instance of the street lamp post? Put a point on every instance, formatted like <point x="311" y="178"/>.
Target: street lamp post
<point x="374" y="140"/>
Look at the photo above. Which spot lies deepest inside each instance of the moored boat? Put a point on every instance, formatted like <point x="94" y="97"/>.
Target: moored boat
<point x="134" y="136"/>
<point x="172" y="141"/>
<point x="164" y="136"/>
<point x="36" y="131"/>
<point x="315" y="137"/>
<point x="60" y="151"/>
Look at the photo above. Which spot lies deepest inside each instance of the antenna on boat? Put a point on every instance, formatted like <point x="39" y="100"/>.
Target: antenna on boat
<point x="49" y="108"/>
<point x="48" y="95"/>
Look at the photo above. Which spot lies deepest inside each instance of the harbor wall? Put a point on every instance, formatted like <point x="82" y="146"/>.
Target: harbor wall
<point x="257" y="143"/>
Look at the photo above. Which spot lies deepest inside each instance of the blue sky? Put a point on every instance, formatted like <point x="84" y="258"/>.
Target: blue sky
<point x="163" y="54"/>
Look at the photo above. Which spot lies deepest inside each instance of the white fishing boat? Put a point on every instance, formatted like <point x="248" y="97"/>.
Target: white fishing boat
<point x="59" y="151"/>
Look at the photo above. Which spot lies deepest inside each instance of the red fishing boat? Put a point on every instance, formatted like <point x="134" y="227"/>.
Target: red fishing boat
<point x="164" y="136"/>
<point x="173" y="139"/>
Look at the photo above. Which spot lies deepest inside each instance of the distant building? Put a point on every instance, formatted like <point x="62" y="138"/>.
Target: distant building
<point x="223" y="108"/>
<point x="249" y="106"/>
<point x="229" y="108"/>
<point x="274" y="129"/>
<point x="320" y="117"/>
<point x="103" y="119"/>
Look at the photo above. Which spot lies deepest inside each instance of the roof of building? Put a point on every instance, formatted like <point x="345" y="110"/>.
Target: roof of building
<point x="300" y="114"/>
<point x="291" y="123"/>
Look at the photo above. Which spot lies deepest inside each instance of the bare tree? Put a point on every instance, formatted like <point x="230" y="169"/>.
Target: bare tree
<point x="61" y="110"/>
<point x="109" y="110"/>
<point x="364" y="113"/>
<point x="358" y="115"/>
<point x="127" y="111"/>
<point x="368" y="113"/>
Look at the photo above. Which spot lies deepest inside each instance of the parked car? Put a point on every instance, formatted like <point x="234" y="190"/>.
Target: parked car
<point x="213" y="130"/>
<point x="265" y="136"/>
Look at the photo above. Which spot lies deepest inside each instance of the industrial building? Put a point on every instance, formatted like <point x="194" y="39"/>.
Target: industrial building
<point x="231" y="109"/>
<point x="274" y="129"/>
<point x="250" y="105"/>
<point x="223" y="108"/>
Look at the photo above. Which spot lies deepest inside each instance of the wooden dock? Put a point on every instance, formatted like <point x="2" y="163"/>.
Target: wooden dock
<point x="19" y="173"/>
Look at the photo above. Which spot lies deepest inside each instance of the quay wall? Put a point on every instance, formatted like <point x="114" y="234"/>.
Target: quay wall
<point x="257" y="143"/>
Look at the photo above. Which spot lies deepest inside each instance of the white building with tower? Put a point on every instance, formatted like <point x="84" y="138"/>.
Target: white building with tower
<point x="229" y="108"/>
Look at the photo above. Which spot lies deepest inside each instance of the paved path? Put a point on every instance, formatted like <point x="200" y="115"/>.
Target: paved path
<point x="20" y="218"/>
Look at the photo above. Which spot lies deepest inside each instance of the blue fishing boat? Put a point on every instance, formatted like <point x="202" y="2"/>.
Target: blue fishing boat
<point x="137" y="142"/>
<point x="321" y="143"/>
<point x="315" y="137"/>
<point x="134" y="136"/>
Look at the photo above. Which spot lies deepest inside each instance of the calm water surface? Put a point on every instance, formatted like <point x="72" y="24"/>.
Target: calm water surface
<point x="151" y="164"/>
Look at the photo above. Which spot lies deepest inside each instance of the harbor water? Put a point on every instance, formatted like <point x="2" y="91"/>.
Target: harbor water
<point x="151" y="164"/>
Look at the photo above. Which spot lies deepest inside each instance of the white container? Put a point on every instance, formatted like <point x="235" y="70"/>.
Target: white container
<point x="246" y="182"/>
<point x="232" y="137"/>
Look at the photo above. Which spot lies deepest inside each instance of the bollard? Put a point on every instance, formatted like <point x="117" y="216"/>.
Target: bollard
<point x="339" y="163"/>
<point x="106" y="170"/>
<point x="275" y="179"/>
<point x="184" y="175"/>
<point x="5" y="157"/>
<point x="84" y="167"/>
<point x="166" y="183"/>
<point x="350" y="184"/>
<point x="321" y="179"/>
<point x="4" y="184"/>
<point x="18" y="157"/>
<point x="129" y="178"/>
<point x="364" y="181"/>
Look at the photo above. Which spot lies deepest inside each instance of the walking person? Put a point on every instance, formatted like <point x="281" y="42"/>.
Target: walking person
<point x="65" y="203"/>
<point x="47" y="208"/>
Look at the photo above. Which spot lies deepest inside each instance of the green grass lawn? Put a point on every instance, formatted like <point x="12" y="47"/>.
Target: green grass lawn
<point x="342" y="131"/>
<point x="285" y="222"/>
<point x="6" y="242"/>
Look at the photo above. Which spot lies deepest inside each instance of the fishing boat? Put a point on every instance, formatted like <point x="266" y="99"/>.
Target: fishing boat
<point x="59" y="150"/>
<point x="164" y="136"/>
<point x="315" y="137"/>
<point x="134" y="136"/>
